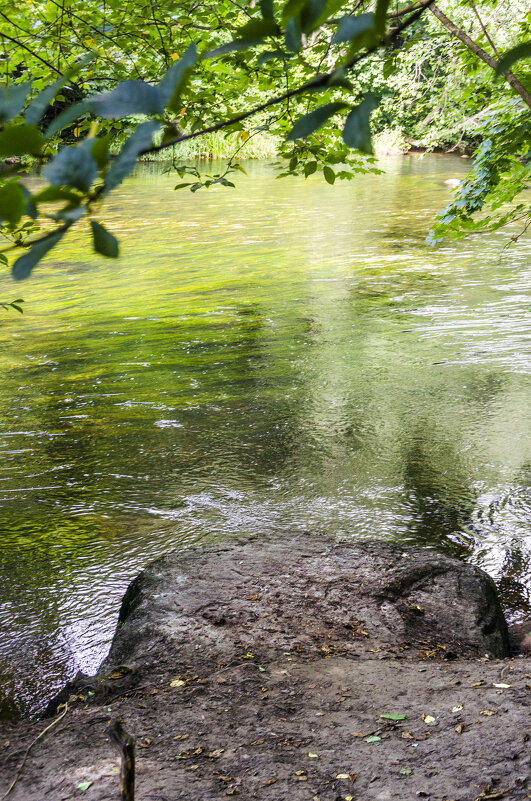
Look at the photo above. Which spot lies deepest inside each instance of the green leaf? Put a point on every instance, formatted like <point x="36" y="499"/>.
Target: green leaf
<point x="291" y="9"/>
<point x="125" y="161"/>
<point x="73" y="167"/>
<point x="293" y="35"/>
<point x="394" y="717"/>
<point x="258" y="29"/>
<point x="309" y="168"/>
<point x="129" y="97"/>
<point x="104" y="242"/>
<point x="20" y="140"/>
<point x="12" y="202"/>
<point x="100" y="150"/>
<point x="380" y="16"/>
<point x="373" y="739"/>
<point x="174" y="81"/>
<point x="12" y="99"/>
<point x="50" y="194"/>
<point x="350" y="27"/>
<point x="266" y="8"/>
<point x="357" y="131"/>
<point x="329" y="175"/>
<point x="405" y="771"/>
<point x="305" y="126"/>
<point x="31" y="209"/>
<point x="66" y="118"/>
<point x="25" y="264"/>
<point x="330" y="10"/>
<point x="84" y="786"/>
<point x="517" y="53"/>
<point x="310" y="13"/>
<point x="39" y="105"/>
<point x="389" y="67"/>
<point x="273" y="55"/>
<point x="231" y="47"/>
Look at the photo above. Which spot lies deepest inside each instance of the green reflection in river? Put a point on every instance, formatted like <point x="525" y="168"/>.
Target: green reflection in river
<point x="286" y="355"/>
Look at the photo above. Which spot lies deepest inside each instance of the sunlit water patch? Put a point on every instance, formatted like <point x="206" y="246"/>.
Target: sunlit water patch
<point x="283" y="356"/>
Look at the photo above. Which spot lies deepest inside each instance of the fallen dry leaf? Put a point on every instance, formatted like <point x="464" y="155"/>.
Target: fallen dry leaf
<point x="487" y="794"/>
<point x="118" y="674"/>
<point x="478" y="683"/>
<point x="457" y="708"/>
<point x="489" y="712"/>
<point x="428" y="719"/>
<point x="357" y="734"/>
<point x="254" y="597"/>
<point x="407" y="736"/>
<point x="259" y="741"/>
<point x="216" y="753"/>
<point x="269" y="781"/>
<point x="177" y="683"/>
<point x="502" y="686"/>
<point x="459" y="729"/>
<point x="181" y="737"/>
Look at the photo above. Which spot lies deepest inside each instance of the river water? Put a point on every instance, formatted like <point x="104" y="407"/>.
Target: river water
<point x="282" y="356"/>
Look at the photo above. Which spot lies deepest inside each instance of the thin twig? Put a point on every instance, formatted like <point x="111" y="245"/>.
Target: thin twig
<point x="125" y="743"/>
<point x="30" y="746"/>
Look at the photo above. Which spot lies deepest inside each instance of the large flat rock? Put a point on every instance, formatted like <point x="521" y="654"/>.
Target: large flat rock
<point x="307" y="594"/>
<point x="268" y="669"/>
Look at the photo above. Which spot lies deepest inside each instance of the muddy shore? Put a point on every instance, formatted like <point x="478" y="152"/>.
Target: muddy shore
<point x="294" y="668"/>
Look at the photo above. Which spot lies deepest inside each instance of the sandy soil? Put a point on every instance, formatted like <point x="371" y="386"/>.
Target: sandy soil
<point x="266" y="669"/>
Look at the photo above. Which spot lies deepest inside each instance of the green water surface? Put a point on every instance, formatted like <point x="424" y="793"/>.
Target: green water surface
<point x="282" y="356"/>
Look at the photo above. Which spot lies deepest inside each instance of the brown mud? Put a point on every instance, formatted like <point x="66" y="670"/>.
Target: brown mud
<point x="294" y="668"/>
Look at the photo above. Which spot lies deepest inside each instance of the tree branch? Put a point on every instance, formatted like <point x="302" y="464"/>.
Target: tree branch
<point x="460" y="34"/>
<point x="29" y="50"/>
<point x="406" y="10"/>
<point x="483" y="28"/>
<point x="320" y="82"/>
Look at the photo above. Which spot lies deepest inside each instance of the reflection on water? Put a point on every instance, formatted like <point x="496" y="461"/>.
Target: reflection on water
<point x="286" y="355"/>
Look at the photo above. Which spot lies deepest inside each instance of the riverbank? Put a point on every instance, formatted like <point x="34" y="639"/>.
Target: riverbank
<point x="294" y="667"/>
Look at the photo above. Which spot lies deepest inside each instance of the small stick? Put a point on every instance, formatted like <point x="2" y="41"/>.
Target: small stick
<point x="125" y="742"/>
<point x="30" y="746"/>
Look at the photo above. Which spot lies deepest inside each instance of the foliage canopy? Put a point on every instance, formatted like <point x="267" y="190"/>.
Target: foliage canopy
<point x="87" y="90"/>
